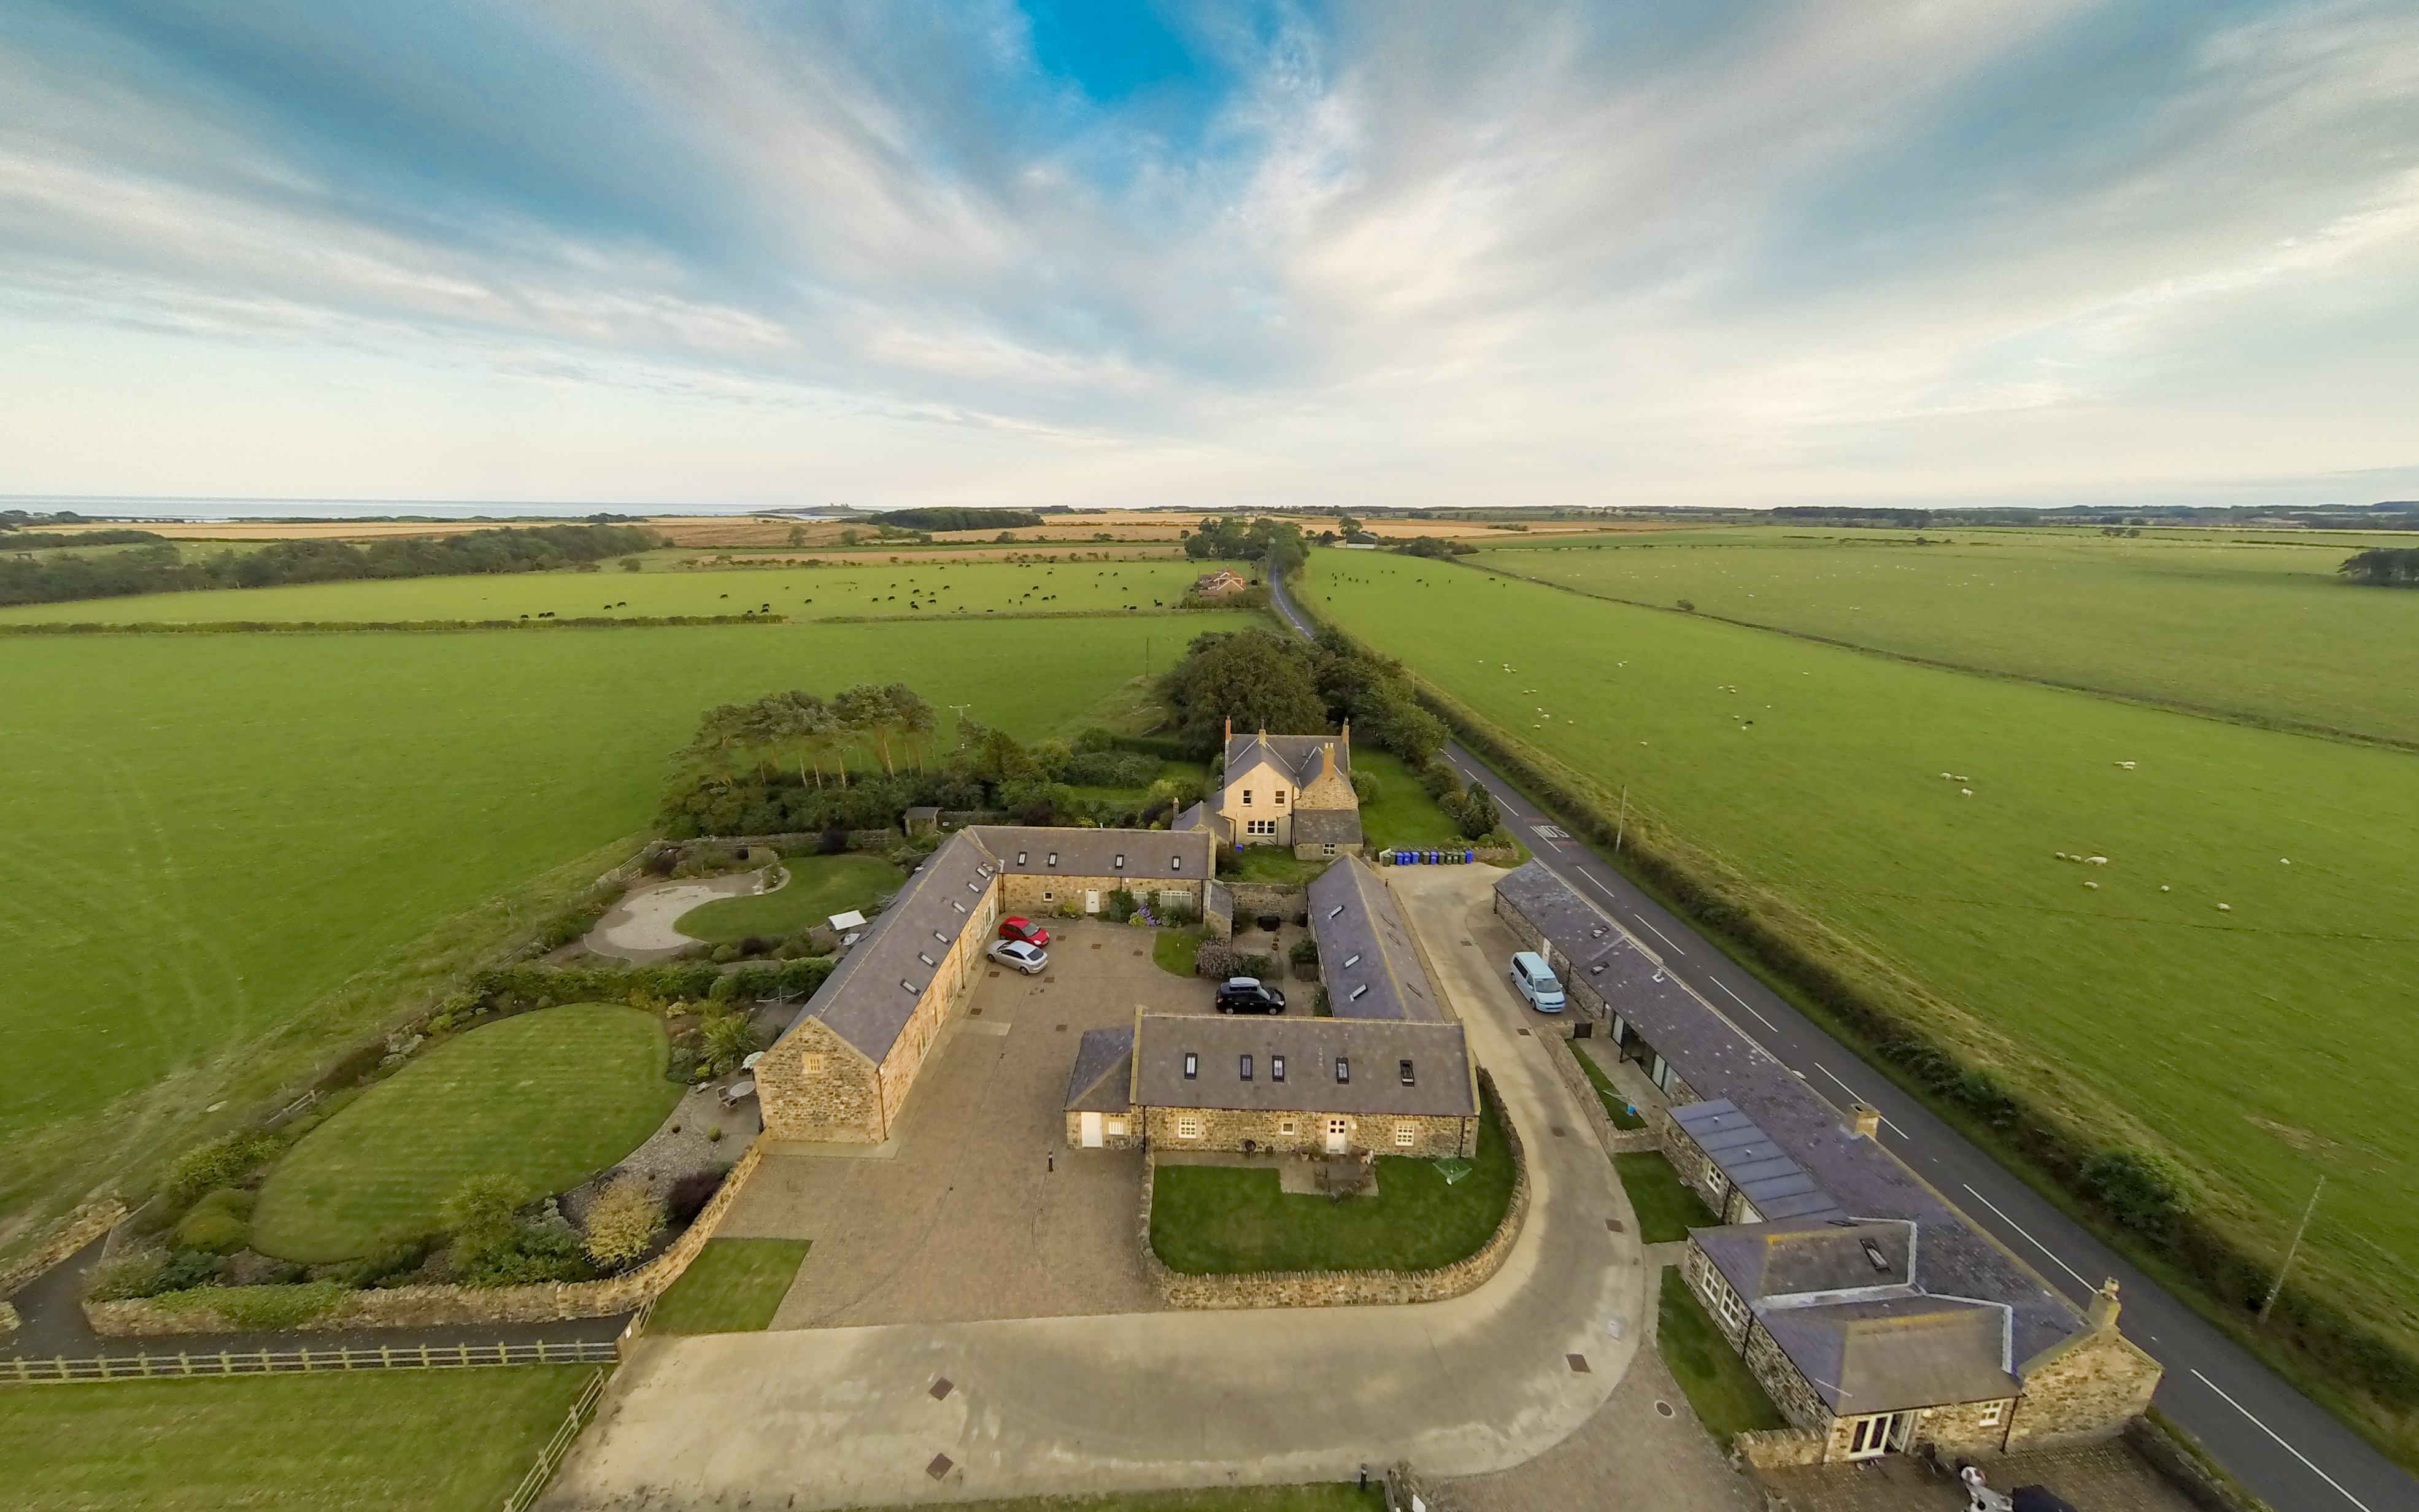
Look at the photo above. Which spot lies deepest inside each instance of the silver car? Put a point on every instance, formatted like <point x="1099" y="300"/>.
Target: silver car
<point x="1030" y="959"/>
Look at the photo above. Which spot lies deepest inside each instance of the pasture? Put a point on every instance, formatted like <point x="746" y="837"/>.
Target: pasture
<point x="232" y="857"/>
<point x="548" y="1098"/>
<point x="909" y="588"/>
<point x="2259" y="1044"/>
<point x="375" y="1441"/>
<point x="2254" y="625"/>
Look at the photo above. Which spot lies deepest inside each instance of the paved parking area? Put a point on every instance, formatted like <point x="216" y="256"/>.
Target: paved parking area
<point x="975" y="1210"/>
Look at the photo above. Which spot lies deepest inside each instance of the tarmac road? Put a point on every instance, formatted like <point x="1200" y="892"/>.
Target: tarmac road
<point x="2285" y="1447"/>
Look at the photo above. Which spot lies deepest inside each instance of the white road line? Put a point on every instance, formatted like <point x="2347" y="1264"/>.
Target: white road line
<point x="1859" y="1096"/>
<point x="2289" y="1448"/>
<point x="2035" y="1243"/>
<point x="1660" y="935"/>
<point x="1743" y="1003"/>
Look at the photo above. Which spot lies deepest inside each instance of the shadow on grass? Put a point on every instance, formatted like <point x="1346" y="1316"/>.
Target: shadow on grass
<point x="1667" y="1209"/>
<point x="1727" y="1398"/>
<point x="735" y="1286"/>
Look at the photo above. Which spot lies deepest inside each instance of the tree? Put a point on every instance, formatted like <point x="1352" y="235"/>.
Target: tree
<point x="1252" y="677"/>
<point x="797" y="536"/>
<point x="2383" y="567"/>
<point x="622" y="1222"/>
<point x="912" y="718"/>
<point x="2141" y="1191"/>
<point x="865" y="712"/>
<point x="1477" y="816"/>
<point x="1347" y="524"/>
<point x="480" y="1212"/>
<point x="730" y="1039"/>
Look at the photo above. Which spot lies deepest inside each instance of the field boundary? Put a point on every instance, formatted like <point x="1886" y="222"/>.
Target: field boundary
<point x="23" y="1370"/>
<point x="549" y="1458"/>
<point x="2152" y="701"/>
<point x="593" y="621"/>
<point x="2314" y="1339"/>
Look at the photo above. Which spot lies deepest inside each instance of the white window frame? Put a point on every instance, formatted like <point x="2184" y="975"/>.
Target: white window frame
<point x="1994" y="1413"/>
<point x="1188" y="1126"/>
<point x="1407" y="1135"/>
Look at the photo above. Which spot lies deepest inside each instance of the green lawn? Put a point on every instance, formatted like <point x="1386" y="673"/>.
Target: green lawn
<point x="550" y="1098"/>
<point x="1271" y="864"/>
<point x="1727" y="1397"/>
<point x="1667" y="1207"/>
<point x="251" y="852"/>
<point x="2220" y="619"/>
<point x="1401" y="815"/>
<point x="2258" y="1044"/>
<point x="735" y="1286"/>
<point x="1214" y="1219"/>
<point x="377" y="1440"/>
<point x="1616" y="1105"/>
<point x="916" y="588"/>
<point x="819" y="887"/>
<point x="1172" y="950"/>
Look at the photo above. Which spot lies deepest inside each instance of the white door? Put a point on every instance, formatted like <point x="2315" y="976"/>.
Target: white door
<point x="1091" y="900"/>
<point x="1338" y="1137"/>
<point x="1091" y="1129"/>
<point x="1879" y="1434"/>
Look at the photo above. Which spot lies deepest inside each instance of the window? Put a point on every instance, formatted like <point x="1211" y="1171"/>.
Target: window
<point x="938" y="935"/>
<point x="906" y="984"/>
<point x="1727" y="1303"/>
<point x="1286" y="1127"/>
<point x="1188" y="1126"/>
<point x="1175" y="863"/>
<point x="1342" y="1070"/>
<point x="972" y="886"/>
<point x="1243" y="1063"/>
<point x="1406" y="1135"/>
<point x="1358" y="993"/>
<point x="926" y="959"/>
<point x="1338" y="909"/>
<point x="1992" y="1414"/>
<point x="1247" y="797"/>
<point x="959" y="906"/>
<point x="1192" y="1065"/>
<point x="1049" y="897"/>
<point x="1121" y="863"/>
<point x="1276" y="1067"/>
<point x="1327" y="850"/>
<point x="1406" y="1068"/>
<point x="1054" y="857"/>
<point x="1020" y="858"/>
<point x="1280" y="797"/>
<point x="1259" y="827"/>
<point x="815" y="1065"/>
<point x="1352" y="960"/>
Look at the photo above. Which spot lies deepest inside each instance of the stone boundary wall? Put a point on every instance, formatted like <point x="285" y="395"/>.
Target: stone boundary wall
<point x="80" y="1229"/>
<point x="1776" y="1448"/>
<point x="1269" y="897"/>
<point x="1346" y="1289"/>
<point x="1566" y="1065"/>
<point x="443" y="1306"/>
<point x="2179" y="1467"/>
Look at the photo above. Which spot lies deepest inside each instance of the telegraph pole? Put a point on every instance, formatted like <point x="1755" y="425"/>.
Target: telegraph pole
<point x="2292" y="1249"/>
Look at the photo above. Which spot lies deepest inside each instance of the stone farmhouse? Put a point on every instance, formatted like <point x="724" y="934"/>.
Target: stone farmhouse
<point x="843" y="1070"/>
<point x="1282" y="1086"/>
<point x="1224" y="583"/>
<point x="1876" y="1315"/>
<point x="1294" y="790"/>
<point x="1389" y="1074"/>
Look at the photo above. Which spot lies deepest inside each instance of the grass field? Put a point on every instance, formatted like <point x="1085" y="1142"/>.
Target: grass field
<point x="735" y="1286"/>
<point x="1402" y="814"/>
<point x="1666" y="1208"/>
<point x="548" y="1098"/>
<point x="1217" y="1220"/>
<point x="819" y="887"/>
<point x="2260" y="1044"/>
<point x="232" y="857"/>
<point x="1727" y="1397"/>
<point x="2256" y="625"/>
<point x="909" y="588"/>
<point x="378" y="1440"/>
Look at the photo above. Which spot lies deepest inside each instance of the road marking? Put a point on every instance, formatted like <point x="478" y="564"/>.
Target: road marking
<point x="1551" y="832"/>
<point x="1743" y="1003"/>
<point x="2035" y="1243"/>
<point x="1659" y="934"/>
<point x="2289" y="1448"/>
<point x="1860" y="1097"/>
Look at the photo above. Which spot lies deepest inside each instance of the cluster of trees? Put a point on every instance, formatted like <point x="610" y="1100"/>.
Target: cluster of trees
<point x="61" y="543"/>
<point x="1430" y="546"/>
<point x="59" y="577"/>
<point x="797" y="764"/>
<point x="1275" y="543"/>
<point x="2384" y="566"/>
<point x="957" y="520"/>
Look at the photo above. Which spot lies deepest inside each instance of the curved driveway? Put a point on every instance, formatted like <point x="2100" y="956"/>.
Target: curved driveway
<point x="848" y="1417"/>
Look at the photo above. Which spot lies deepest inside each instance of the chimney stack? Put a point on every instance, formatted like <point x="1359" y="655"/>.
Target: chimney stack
<point x="2103" y="1306"/>
<point x="1231" y="729"/>
<point x="1865" y="1119"/>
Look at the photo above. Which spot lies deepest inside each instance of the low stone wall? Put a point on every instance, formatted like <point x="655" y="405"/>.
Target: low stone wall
<point x="1346" y="1289"/>
<point x="1269" y="897"/>
<point x="2179" y="1468"/>
<point x="1566" y="1065"/>
<point x="1776" y="1448"/>
<point x="81" y="1227"/>
<point x="447" y="1306"/>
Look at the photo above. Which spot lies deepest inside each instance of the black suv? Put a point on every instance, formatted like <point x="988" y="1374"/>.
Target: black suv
<point x="1244" y="994"/>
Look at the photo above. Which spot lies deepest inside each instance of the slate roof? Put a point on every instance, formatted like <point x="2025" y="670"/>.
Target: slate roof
<point x="1327" y="826"/>
<point x="1779" y="1186"/>
<point x="1366" y="960"/>
<point x="871" y="994"/>
<point x="1797" y="1257"/>
<point x="1149" y="854"/>
<point x="1892" y="1354"/>
<point x="1103" y="1063"/>
<point x="1445" y="1084"/>
<point x="1296" y="754"/>
<point x="1720" y="1061"/>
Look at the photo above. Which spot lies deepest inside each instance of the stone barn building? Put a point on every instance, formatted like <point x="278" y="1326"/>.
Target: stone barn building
<point x="844" y="1069"/>
<point x="1877" y="1315"/>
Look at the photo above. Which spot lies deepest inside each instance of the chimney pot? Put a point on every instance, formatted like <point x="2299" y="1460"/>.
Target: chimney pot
<point x="1865" y="1119"/>
<point x="2104" y="1305"/>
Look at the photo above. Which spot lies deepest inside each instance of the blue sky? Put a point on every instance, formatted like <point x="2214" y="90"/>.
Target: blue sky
<point x="1158" y="252"/>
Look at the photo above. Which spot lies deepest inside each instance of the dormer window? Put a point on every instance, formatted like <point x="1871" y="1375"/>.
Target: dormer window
<point x="1359" y="992"/>
<point x="926" y="959"/>
<point x="1343" y="1071"/>
<point x="1875" y="1257"/>
<point x="1191" y="1066"/>
<point x="959" y="906"/>
<point x="1054" y="857"/>
<point x="1121" y="863"/>
<point x="1276" y="1067"/>
<point x="906" y="985"/>
<point x="1404" y="1067"/>
<point x="1244" y="1065"/>
<point x="938" y="935"/>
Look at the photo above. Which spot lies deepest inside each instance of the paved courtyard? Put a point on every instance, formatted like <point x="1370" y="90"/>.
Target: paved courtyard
<point x="2091" y="1477"/>
<point x="975" y="1210"/>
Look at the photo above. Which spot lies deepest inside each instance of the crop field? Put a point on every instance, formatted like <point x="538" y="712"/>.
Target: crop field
<point x="1918" y="812"/>
<point x="2257" y="626"/>
<point x="221" y="846"/>
<point x="800" y="592"/>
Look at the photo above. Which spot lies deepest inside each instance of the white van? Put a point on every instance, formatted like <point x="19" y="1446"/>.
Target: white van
<point x="1537" y="982"/>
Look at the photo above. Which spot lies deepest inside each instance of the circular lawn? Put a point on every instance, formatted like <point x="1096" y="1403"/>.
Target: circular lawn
<point x="548" y="1098"/>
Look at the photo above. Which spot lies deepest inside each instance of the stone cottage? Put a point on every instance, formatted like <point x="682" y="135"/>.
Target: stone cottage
<point x="1877" y="1315"/>
<point x="842" y="1072"/>
<point x="1294" y="790"/>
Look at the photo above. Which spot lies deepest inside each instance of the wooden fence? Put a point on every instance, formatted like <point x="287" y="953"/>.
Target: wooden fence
<point x="298" y="1362"/>
<point x="551" y="1456"/>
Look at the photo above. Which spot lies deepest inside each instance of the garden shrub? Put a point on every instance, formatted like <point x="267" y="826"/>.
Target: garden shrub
<point x="1120" y="904"/>
<point x="123" y="1277"/>
<point x="2141" y="1191"/>
<point x="544" y="1247"/>
<point x="220" y="1162"/>
<point x="1305" y="951"/>
<point x="480" y="1212"/>
<point x="261" y="1309"/>
<point x="220" y="1223"/>
<point x="623" y="1223"/>
<point x="691" y="1192"/>
<point x="187" y="1268"/>
<point x="728" y="1039"/>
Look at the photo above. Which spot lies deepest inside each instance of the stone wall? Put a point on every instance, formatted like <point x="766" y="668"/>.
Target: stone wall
<point x="1218" y="911"/>
<point x="81" y="1227"/>
<point x="1334" y="1288"/>
<point x="1777" y="1448"/>
<point x="2089" y="1391"/>
<point x="1789" y="1389"/>
<point x="1712" y="1292"/>
<point x="2179" y="1467"/>
<point x="455" y="1306"/>
<point x="1964" y="1427"/>
<point x="1225" y="1128"/>
<point x="1696" y="1168"/>
<point x="1048" y="892"/>
<point x="1567" y="1064"/>
<point x="1258" y="897"/>
<point x="816" y="1085"/>
<point x="1119" y="1130"/>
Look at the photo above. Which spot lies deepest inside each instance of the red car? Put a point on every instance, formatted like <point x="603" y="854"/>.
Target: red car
<point x="1024" y="929"/>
